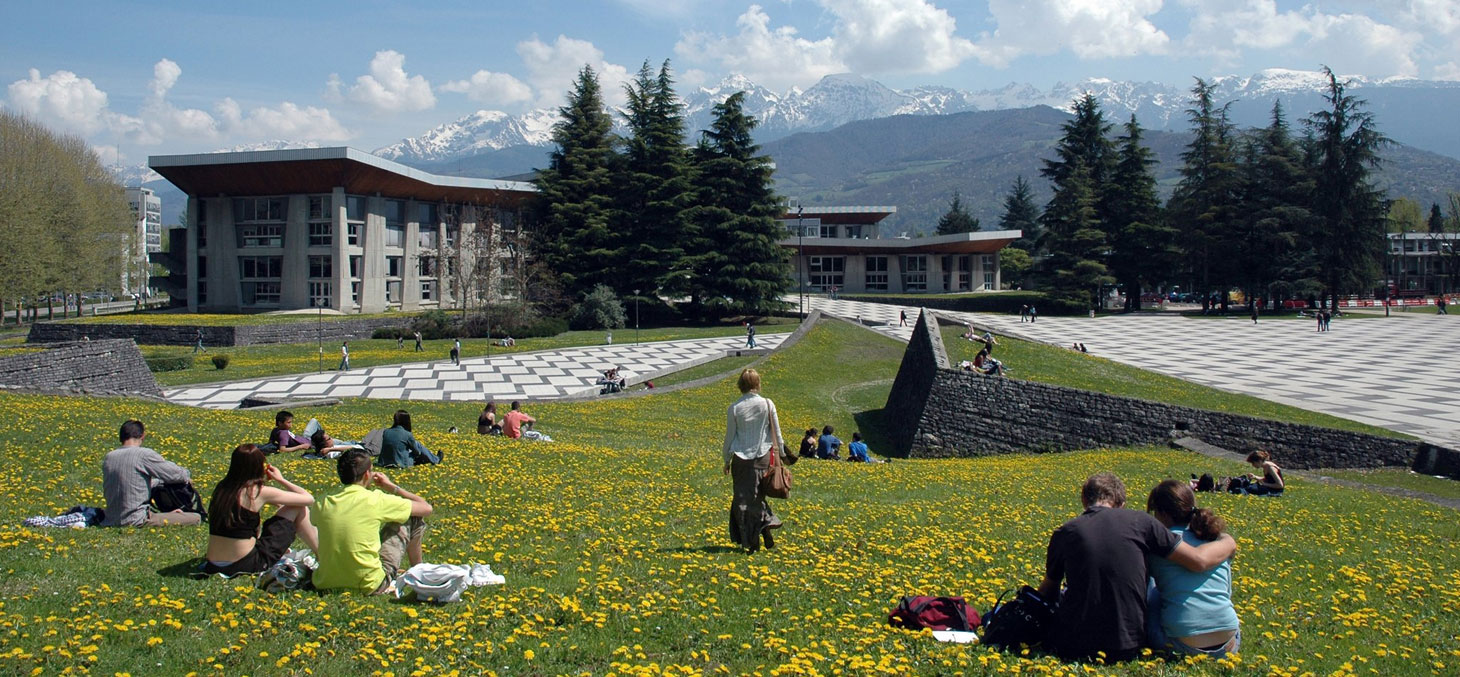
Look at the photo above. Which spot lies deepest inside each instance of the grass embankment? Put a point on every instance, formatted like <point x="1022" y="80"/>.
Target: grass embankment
<point x="1400" y="478"/>
<point x="1044" y="363"/>
<point x="613" y="543"/>
<point x="168" y="319"/>
<point x="707" y="369"/>
<point x="247" y="362"/>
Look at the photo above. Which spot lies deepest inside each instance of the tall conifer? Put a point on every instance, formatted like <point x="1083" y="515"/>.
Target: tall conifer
<point x="1204" y="205"/>
<point x="957" y="219"/>
<point x="654" y="189"/>
<point x="1074" y="225"/>
<point x="1142" y="245"/>
<point x="1020" y="213"/>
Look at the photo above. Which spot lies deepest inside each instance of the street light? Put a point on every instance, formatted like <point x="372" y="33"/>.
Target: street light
<point x="800" y="257"/>
<point x="636" y="317"/>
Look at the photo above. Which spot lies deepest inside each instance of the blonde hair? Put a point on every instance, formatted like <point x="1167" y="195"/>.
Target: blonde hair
<point x="749" y="380"/>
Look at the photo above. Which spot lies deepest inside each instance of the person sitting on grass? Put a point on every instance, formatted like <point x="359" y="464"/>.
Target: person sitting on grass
<point x="1101" y="558"/>
<point x="1271" y="483"/>
<point x="512" y="422"/>
<point x="487" y="422"/>
<point x="808" y="444"/>
<point x="1189" y="612"/>
<point x="283" y="434"/>
<point x="399" y="447"/>
<point x="237" y="543"/>
<point x="128" y="475"/>
<point x="828" y="447"/>
<point x="857" y="450"/>
<point x="364" y="534"/>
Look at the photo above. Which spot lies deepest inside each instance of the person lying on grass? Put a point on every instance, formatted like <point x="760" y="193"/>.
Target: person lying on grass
<point x="237" y="543"/>
<point x="364" y="534"/>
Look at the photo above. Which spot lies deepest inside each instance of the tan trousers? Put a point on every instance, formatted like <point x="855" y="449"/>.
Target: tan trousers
<point x="173" y="519"/>
<point x="395" y="539"/>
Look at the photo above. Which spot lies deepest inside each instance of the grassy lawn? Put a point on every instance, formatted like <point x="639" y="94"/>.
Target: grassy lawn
<point x="293" y="358"/>
<point x="612" y="540"/>
<point x="225" y="319"/>
<point x="719" y="366"/>
<point x="1048" y="364"/>
<point x="1401" y="478"/>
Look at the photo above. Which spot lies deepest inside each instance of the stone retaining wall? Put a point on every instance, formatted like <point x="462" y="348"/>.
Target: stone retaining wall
<point x="104" y="367"/>
<point x="961" y="413"/>
<point x="247" y="335"/>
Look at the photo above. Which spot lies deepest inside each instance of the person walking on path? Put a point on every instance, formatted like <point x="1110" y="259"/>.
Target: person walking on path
<point x="1254" y="314"/>
<point x="198" y="343"/>
<point x="456" y="352"/>
<point x="1033" y="314"/>
<point x="418" y="342"/>
<point x="345" y="356"/>
<point x="902" y="318"/>
<point x="749" y="335"/>
<point x="1024" y="313"/>
<point x="752" y="434"/>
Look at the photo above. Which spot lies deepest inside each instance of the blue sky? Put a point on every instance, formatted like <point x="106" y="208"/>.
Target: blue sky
<point x="162" y="77"/>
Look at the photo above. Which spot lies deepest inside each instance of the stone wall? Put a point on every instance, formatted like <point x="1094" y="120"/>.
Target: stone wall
<point x="952" y="412"/>
<point x="300" y="331"/>
<point x="100" y="367"/>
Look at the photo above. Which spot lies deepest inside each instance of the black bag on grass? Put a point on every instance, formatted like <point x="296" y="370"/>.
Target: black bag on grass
<point x="1022" y="620"/>
<point x="178" y="496"/>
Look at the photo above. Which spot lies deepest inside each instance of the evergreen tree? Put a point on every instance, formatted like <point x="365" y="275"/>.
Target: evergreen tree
<point x="1205" y="202"/>
<point x="653" y="189"/>
<point x="957" y="219"/>
<point x="576" y="235"/>
<point x="1142" y="246"/>
<point x="1020" y="213"/>
<point x="737" y="262"/>
<point x="1346" y="147"/>
<point x="1276" y="221"/>
<point x="1074" y="227"/>
<point x="1436" y="222"/>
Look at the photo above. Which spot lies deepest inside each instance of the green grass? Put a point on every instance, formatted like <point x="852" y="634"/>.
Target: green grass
<point x="225" y="319"/>
<point x="1402" y="479"/>
<point x="612" y="540"/>
<point x="246" y="362"/>
<point x="711" y="368"/>
<point x="1044" y="363"/>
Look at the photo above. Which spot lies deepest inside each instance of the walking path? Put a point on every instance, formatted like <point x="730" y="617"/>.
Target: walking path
<point x="1398" y="374"/>
<point x="541" y="375"/>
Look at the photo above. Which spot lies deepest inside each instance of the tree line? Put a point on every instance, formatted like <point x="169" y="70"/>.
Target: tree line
<point x="649" y="216"/>
<point x="64" y="220"/>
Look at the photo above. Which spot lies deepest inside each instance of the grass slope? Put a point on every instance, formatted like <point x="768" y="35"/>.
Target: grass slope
<point x="613" y="543"/>
<point x="226" y="319"/>
<point x="1044" y="363"/>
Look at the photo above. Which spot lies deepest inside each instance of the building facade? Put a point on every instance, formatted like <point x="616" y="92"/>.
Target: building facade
<point x="842" y="248"/>
<point x="342" y="229"/>
<point x="144" y="240"/>
<point x="1419" y="264"/>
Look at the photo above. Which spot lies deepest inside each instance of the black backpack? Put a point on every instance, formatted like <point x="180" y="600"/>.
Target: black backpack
<point x="178" y="496"/>
<point x="1022" y="620"/>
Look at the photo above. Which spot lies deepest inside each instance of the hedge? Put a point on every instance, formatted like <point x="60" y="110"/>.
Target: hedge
<point x="157" y="364"/>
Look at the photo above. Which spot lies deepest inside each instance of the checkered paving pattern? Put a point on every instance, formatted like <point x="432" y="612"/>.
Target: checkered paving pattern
<point x="1396" y="372"/>
<point x="542" y="375"/>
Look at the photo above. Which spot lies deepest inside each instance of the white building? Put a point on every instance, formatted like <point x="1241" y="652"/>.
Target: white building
<point x="145" y="238"/>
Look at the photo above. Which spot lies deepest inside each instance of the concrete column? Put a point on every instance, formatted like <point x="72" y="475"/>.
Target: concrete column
<point x="223" y="273"/>
<point x="855" y="277"/>
<point x="894" y="274"/>
<point x="190" y="255"/>
<point x="998" y="272"/>
<point x="294" y="278"/>
<point x="935" y="272"/>
<point x="443" y="281"/>
<point x="340" y="254"/>
<point x="411" y="274"/>
<point x="372" y="273"/>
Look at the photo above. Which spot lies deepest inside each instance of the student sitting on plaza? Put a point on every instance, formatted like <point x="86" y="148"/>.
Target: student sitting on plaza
<point x="237" y="543"/>
<point x="512" y="422"/>
<point x="399" y="447"/>
<point x="828" y="447"/>
<point x="857" y="450"/>
<point x="128" y="475"/>
<point x="1101" y="558"/>
<point x="1189" y="612"/>
<point x="487" y="421"/>
<point x="364" y="534"/>
<point x="284" y="436"/>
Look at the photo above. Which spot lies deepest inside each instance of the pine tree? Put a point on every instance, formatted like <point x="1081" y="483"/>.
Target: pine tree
<point x="1074" y="226"/>
<point x="1142" y="246"/>
<point x="576" y="235"/>
<point x="737" y="262"/>
<point x="1205" y="202"/>
<point x="1020" y="213"/>
<point x="1276" y="221"/>
<point x="1436" y="222"/>
<point x="653" y="189"/>
<point x="957" y="219"/>
<point x="1350" y="209"/>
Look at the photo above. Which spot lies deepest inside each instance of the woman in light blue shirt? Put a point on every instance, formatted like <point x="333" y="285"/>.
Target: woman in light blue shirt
<point x="1189" y="613"/>
<point x="752" y="434"/>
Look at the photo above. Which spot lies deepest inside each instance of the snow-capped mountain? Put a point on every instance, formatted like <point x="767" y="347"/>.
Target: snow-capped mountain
<point x="276" y="144"/>
<point x="482" y="131"/>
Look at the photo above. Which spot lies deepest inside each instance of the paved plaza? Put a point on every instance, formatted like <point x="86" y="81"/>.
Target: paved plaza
<point x="1398" y="372"/>
<point x="541" y="375"/>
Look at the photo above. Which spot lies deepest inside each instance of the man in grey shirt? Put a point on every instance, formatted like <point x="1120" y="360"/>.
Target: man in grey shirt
<point x="128" y="474"/>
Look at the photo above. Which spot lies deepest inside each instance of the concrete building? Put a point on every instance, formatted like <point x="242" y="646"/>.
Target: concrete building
<point x="146" y="239"/>
<point x="338" y="228"/>
<point x="842" y="247"/>
<point x="1419" y="264"/>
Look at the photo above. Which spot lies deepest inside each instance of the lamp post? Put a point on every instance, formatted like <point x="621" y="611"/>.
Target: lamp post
<point x="636" y="317"/>
<point x="800" y="258"/>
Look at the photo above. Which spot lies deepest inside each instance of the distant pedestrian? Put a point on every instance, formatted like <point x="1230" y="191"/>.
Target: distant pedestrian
<point x="1033" y="314"/>
<point x="345" y="356"/>
<point x="749" y="335"/>
<point x="608" y="340"/>
<point x="1254" y="314"/>
<point x="456" y="352"/>
<point x="198" y="343"/>
<point x="400" y="342"/>
<point x="1024" y="313"/>
<point x="902" y="318"/>
<point x="418" y="342"/>
<point x="1328" y="321"/>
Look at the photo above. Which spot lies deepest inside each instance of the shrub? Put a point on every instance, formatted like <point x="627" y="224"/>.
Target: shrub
<point x="392" y="333"/>
<point x="157" y="364"/>
<point x="220" y="361"/>
<point x="543" y="326"/>
<point x="433" y="324"/>
<point x="599" y="309"/>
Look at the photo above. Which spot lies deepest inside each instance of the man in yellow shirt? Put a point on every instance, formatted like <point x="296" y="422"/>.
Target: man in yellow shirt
<point x="363" y="533"/>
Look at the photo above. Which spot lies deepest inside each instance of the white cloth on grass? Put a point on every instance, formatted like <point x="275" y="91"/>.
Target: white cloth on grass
<point x="445" y="582"/>
<point x="955" y="636"/>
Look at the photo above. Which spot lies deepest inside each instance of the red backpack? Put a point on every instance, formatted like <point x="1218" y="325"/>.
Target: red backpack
<point x="934" y="613"/>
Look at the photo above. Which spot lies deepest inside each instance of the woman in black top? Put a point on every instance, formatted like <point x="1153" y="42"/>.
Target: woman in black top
<point x="237" y="543"/>
<point x="487" y="422"/>
<point x="808" y="443"/>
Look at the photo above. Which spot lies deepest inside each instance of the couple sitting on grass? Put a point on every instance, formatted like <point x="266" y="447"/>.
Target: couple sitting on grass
<point x="359" y="536"/>
<point x="1132" y="580"/>
<point x="397" y="446"/>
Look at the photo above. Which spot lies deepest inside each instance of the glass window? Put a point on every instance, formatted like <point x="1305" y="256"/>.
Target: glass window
<point x="826" y="271"/>
<point x="828" y="231"/>
<point x="202" y="227"/>
<point x="320" y="293"/>
<point x="395" y="235"/>
<point x="247" y="209"/>
<point x="319" y="208"/>
<point x="355" y="208"/>
<point x="321" y="234"/>
<point x="392" y="291"/>
<point x="426" y="216"/>
<point x="202" y="267"/>
<point x="855" y="231"/>
<point x="355" y="293"/>
<point x="428" y="237"/>
<point x="202" y="291"/>
<point x="260" y="293"/>
<point x="260" y="235"/>
<point x="428" y="290"/>
<point x="988" y="279"/>
<point x="395" y="213"/>
<point x="915" y="272"/>
<point x="426" y="266"/>
<point x="256" y="267"/>
<point x="451" y="235"/>
<point x="876" y="273"/>
<point x="321" y="266"/>
<point x="393" y="266"/>
<point x="356" y="262"/>
<point x="353" y="234"/>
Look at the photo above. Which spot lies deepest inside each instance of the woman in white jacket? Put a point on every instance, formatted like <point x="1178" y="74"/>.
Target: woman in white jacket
<point x="752" y="434"/>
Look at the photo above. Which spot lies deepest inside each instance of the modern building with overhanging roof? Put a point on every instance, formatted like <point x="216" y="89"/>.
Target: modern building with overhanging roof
<point x="842" y="247"/>
<point x="337" y="228"/>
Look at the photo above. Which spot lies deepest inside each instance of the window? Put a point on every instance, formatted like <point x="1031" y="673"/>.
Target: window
<point x="965" y="272"/>
<point x="355" y="293"/>
<point x="426" y="266"/>
<point x="260" y="293"/>
<point x="826" y="271"/>
<point x="988" y="279"/>
<point x="828" y="231"/>
<point x="392" y="266"/>
<point x="428" y="237"/>
<point x="450" y="266"/>
<point x="261" y="235"/>
<point x="321" y="234"/>
<point x="395" y="235"/>
<point x="202" y="291"/>
<point x="355" y="208"/>
<point x="392" y="291"/>
<point x="319" y="208"/>
<point x="355" y="263"/>
<point x="256" y="267"/>
<point x="353" y="234"/>
<point x="855" y="231"/>
<point x="247" y="209"/>
<point x="320" y="294"/>
<point x="987" y="262"/>
<point x="876" y="273"/>
<point x="428" y="290"/>
<point x="395" y="213"/>
<point x="915" y="272"/>
<point x="321" y="266"/>
<point x="451" y="235"/>
<point x="427" y="216"/>
<point x="202" y="227"/>
<point x="202" y="267"/>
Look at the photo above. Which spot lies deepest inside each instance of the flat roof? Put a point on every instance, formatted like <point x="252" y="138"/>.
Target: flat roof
<point x="320" y="170"/>
<point x="852" y="214"/>
<point x="981" y="242"/>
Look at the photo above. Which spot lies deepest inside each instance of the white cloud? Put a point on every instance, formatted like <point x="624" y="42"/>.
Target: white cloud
<point x="552" y="68"/>
<point x="776" y="58"/>
<point x="1091" y="29"/>
<point x="1350" y="43"/>
<point x="287" y="121"/>
<point x="1448" y="71"/>
<point x="63" y="99"/>
<point x="387" y="89"/>
<point x="160" y="120"/>
<point x="899" y="36"/>
<point x="494" y="89"/>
